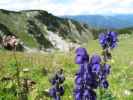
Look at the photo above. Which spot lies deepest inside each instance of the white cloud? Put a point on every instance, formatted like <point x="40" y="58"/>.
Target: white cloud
<point x="15" y="4"/>
<point x="74" y="7"/>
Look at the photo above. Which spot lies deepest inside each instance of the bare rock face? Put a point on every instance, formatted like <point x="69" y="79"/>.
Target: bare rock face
<point x="59" y="43"/>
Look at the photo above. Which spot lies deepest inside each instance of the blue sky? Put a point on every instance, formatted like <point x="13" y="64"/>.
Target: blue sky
<point x="71" y="7"/>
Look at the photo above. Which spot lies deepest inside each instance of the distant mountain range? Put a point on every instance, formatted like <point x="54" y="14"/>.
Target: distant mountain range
<point x="105" y="22"/>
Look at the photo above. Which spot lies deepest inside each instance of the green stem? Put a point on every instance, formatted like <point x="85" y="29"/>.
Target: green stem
<point x="100" y="94"/>
<point x="17" y="72"/>
<point x="69" y="90"/>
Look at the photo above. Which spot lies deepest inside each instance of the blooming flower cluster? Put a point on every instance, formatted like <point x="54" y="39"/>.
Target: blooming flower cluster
<point x="108" y="40"/>
<point x="91" y="75"/>
<point x="101" y="70"/>
<point x="57" y="89"/>
<point x="85" y="80"/>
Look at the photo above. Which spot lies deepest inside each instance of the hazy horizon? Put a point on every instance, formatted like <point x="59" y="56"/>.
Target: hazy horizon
<point x="70" y="15"/>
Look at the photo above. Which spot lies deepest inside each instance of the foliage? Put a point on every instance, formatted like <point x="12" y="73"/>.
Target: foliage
<point x="120" y="78"/>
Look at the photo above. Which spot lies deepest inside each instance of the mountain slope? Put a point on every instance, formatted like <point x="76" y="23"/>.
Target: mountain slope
<point x="34" y="28"/>
<point x="108" y="22"/>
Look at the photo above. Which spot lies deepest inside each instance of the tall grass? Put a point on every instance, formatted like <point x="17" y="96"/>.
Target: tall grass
<point x="42" y="65"/>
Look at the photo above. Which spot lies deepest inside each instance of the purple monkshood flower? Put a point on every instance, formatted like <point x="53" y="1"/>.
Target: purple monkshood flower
<point x="85" y="80"/>
<point x="103" y="40"/>
<point x="57" y="89"/>
<point x="108" y="40"/>
<point x="106" y="69"/>
<point x="95" y="64"/>
<point x="100" y="70"/>
<point x="104" y="83"/>
<point x="81" y="51"/>
<point x="95" y="59"/>
<point x="56" y="92"/>
<point x="90" y="75"/>
<point x="81" y="56"/>
<point x="96" y="68"/>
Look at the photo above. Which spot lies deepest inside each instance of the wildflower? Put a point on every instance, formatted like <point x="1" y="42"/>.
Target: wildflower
<point x="100" y="70"/>
<point x="104" y="83"/>
<point x="103" y="40"/>
<point x="56" y="92"/>
<point x="106" y="69"/>
<point x="85" y="80"/>
<point x="108" y="40"/>
<point x="81" y="56"/>
<point x="91" y="74"/>
<point x="57" y="89"/>
<point x="95" y="63"/>
<point x="95" y="59"/>
<point x="112" y="39"/>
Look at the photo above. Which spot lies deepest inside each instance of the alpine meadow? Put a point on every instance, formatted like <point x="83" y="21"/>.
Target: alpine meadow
<point x="66" y="50"/>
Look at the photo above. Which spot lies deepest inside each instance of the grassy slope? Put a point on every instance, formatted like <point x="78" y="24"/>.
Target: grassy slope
<point x="31" y="27"/>
<point x="17" y="28"/>
<point x="121" y="78"/>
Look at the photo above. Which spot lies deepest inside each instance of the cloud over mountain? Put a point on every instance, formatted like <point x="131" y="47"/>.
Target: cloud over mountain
<point x="71" y="7"/>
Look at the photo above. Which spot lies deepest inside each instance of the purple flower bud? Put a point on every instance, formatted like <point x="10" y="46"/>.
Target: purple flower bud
<point x="95" y="59"/>
<point x="106" y="69"/>
<point x="81" y="51"/>
<point x="104" y="83"/>
<point x="58" y="98"/>
<point x="81" y="56"/>
<point x="96" y="68"/>
<point x="52" y="92"/>
<point x="89" y="94"/>
<point x="113" y="45"/>
<point x="87" y="77"/>
<point x="86" y="93"/>
<point x="101" y="76"/>
<point x="79" y="60"/>
<point x="103" y="40"/>
<point x="112" y="35"/>
<point x="78" y="96"/>
<point x="108" y="40"/>
<point x="78" y="80"/>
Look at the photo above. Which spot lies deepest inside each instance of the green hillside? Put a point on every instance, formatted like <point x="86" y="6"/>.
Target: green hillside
<point x="33" y="26"/>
